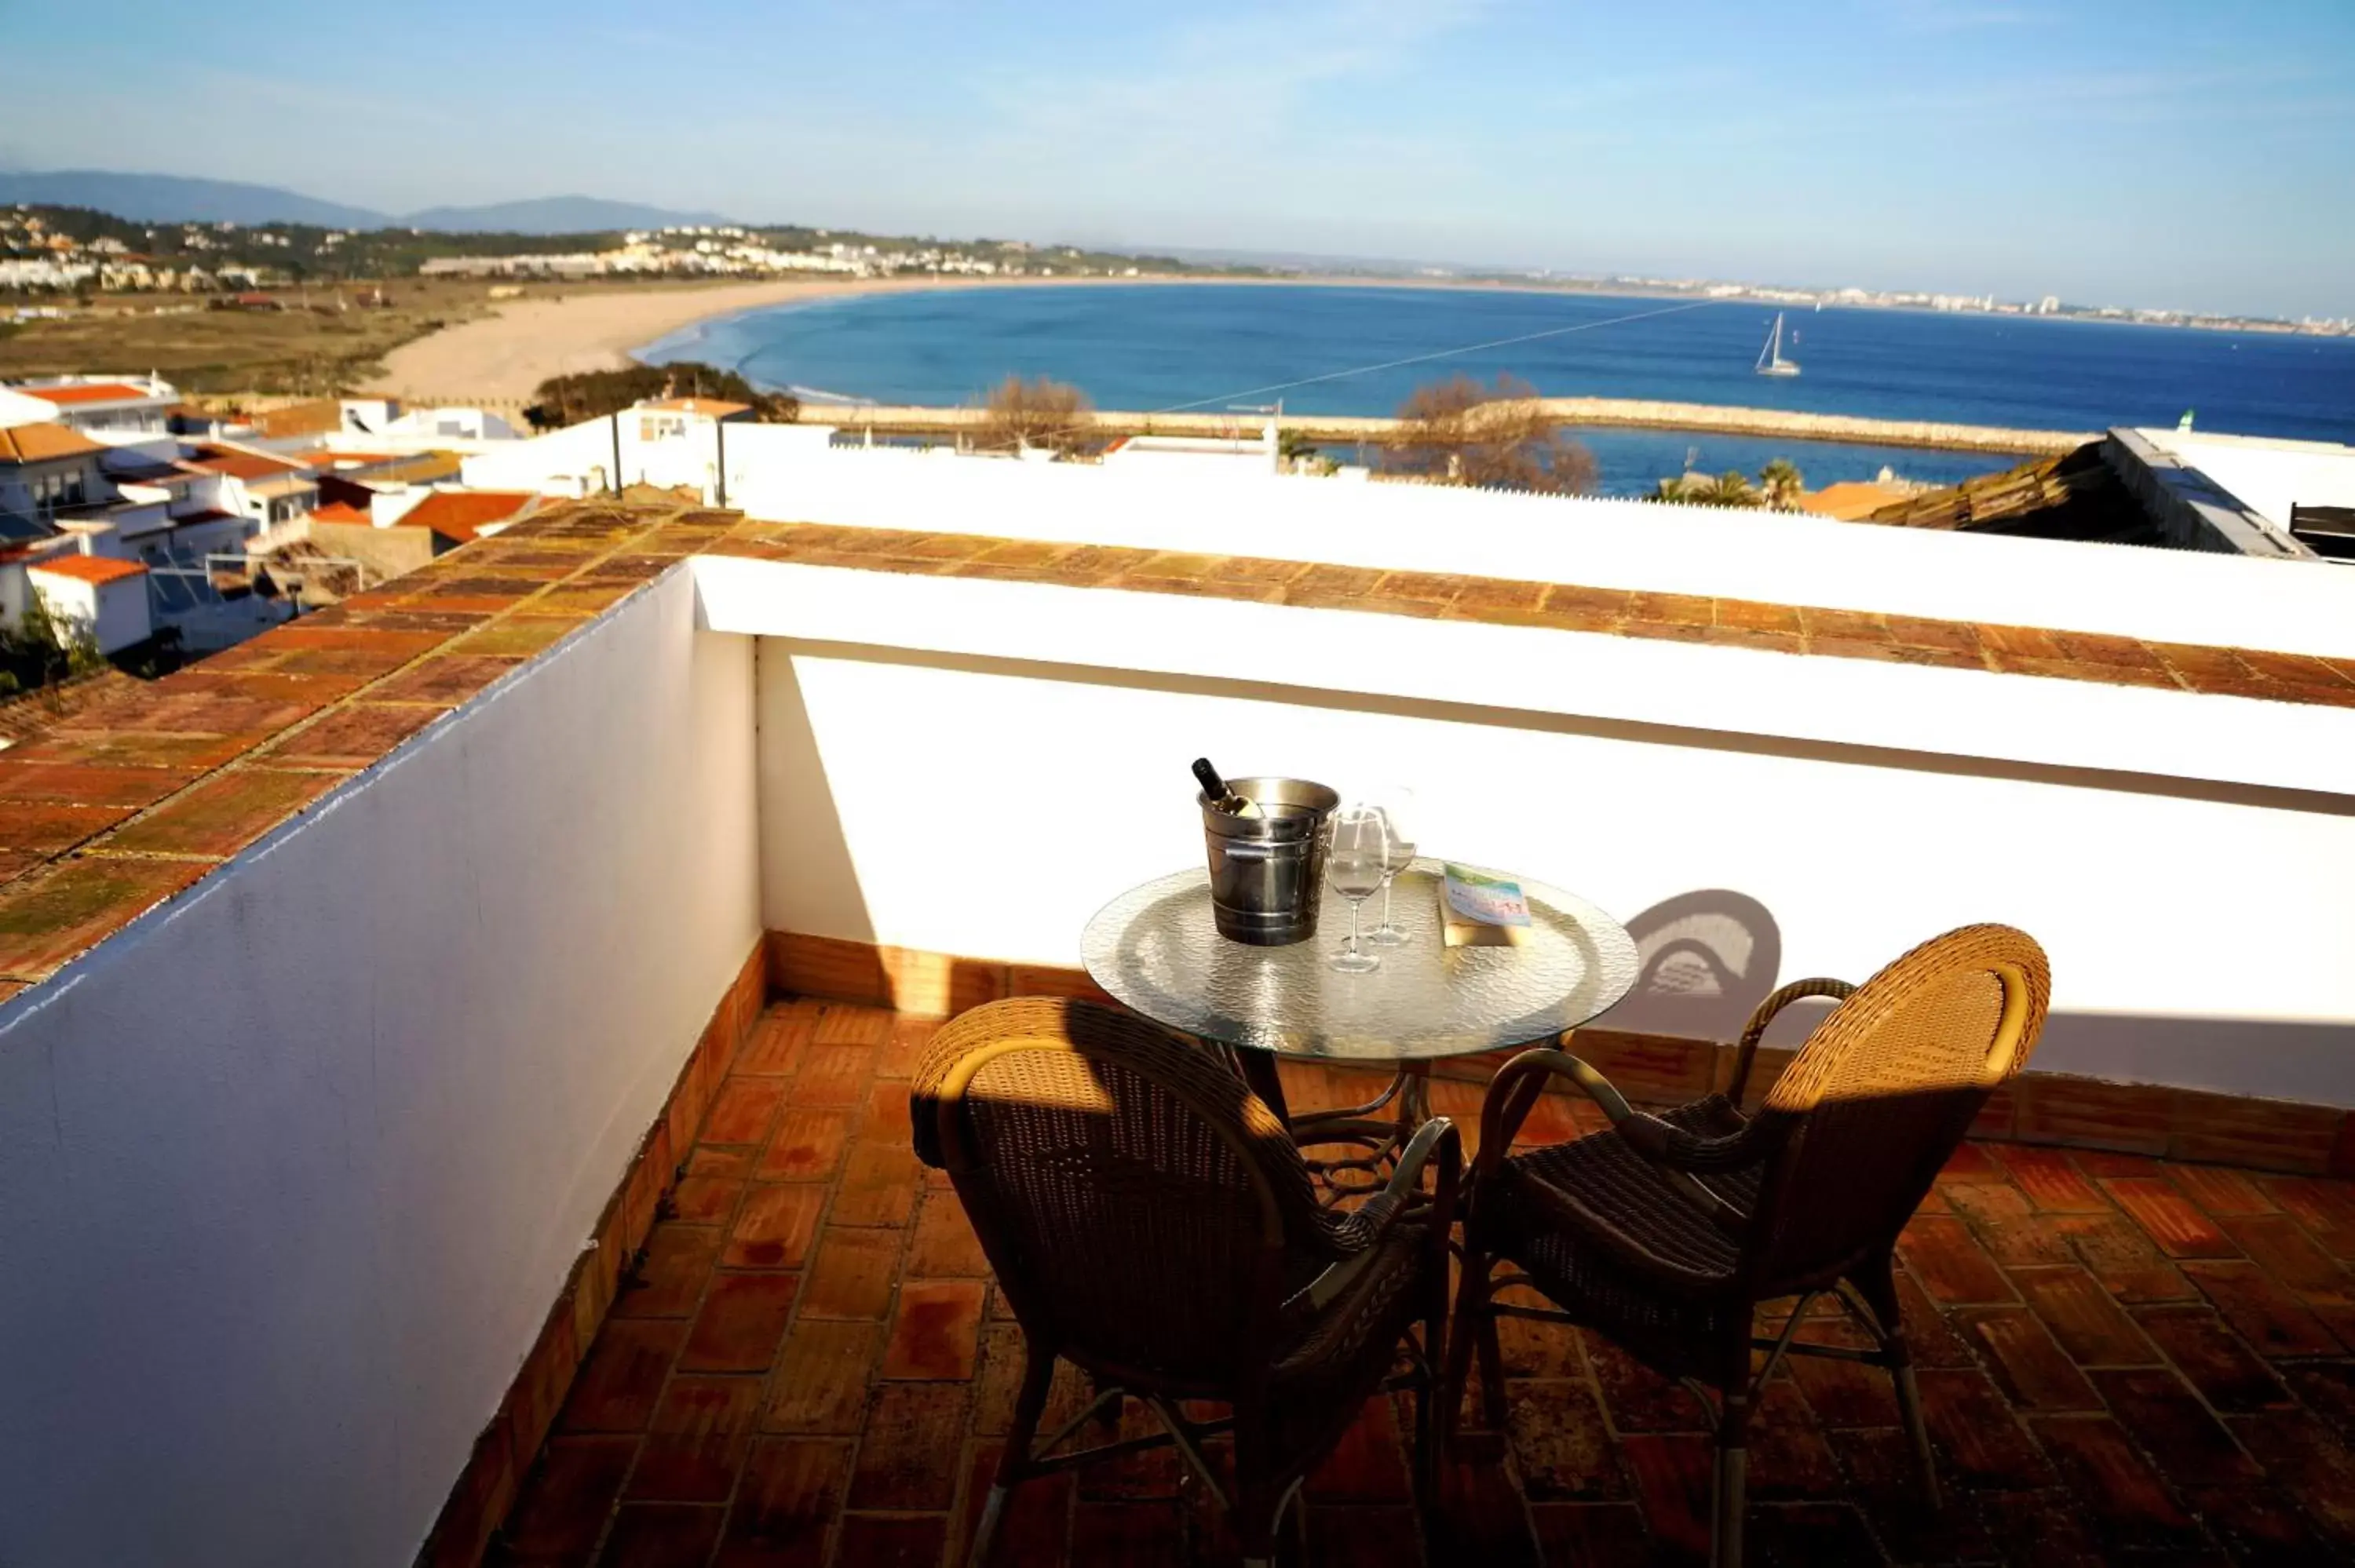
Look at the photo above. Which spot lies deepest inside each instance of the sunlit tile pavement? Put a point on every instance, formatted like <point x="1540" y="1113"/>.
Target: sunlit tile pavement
<point x="2125" y="1359"/>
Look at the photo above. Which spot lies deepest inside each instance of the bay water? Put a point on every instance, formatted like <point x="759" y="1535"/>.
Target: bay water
<point x="1215" y="346"/>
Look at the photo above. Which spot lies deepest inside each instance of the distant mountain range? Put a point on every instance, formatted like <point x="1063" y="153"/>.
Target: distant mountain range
<point x="174" y="198"/>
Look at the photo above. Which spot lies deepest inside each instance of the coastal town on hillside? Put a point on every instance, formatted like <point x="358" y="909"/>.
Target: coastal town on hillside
<point x="50" y="251"/>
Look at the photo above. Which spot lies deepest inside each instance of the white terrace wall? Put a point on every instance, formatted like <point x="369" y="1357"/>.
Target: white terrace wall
<point x="789" y="474"/>
<point x="291" y="1169"/>
<point x="975" y="767"/>
<point x="1781" y="557"/>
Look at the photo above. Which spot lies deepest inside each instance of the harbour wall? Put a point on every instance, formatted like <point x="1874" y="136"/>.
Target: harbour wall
<point x="1611" y="412"/>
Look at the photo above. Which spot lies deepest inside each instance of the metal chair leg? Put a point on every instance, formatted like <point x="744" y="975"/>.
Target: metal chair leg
<point x="1433" y="1389"/>
<point x="1257" y="1519"/>
<point x="1471" y="1305"/>
<point x="1909" y="1405"/>
<point x="1492" y="1369"/>
<point x="984" y="1534"/>
<point x="1729" y="1493"/>
<point x="1014" y="1462"/>
<point x="1876" y="1284"/>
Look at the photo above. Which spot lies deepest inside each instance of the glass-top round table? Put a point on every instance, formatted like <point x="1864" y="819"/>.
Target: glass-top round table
<point x="1156" y="951"/>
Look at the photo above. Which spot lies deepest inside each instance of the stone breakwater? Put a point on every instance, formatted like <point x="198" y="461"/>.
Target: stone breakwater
<point x="1601" y="412"/>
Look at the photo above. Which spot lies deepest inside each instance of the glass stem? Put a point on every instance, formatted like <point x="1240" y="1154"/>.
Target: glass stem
<point x="1354" y="902"/>
<point x="1386" y="899"/>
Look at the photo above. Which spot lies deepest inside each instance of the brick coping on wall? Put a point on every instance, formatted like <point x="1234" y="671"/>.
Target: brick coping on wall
<point x="124" y="805"/>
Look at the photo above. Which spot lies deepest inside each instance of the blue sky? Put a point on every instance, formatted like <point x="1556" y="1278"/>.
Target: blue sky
<point x="2151" y="153"/>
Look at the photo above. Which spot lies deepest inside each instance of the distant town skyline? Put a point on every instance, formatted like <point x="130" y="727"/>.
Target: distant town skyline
<point x="2151" y="154"/>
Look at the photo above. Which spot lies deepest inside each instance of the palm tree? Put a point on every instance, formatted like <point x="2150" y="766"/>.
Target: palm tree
<point x="1732" y="488"/>
<point x="1783" y="482"/>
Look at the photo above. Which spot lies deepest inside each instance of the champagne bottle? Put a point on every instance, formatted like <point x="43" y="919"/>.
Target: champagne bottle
<point x="1215" y="790"/>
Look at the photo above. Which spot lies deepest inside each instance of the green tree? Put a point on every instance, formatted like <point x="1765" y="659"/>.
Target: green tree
<point x="44" y="648"/>
<point x="563" y="400"/>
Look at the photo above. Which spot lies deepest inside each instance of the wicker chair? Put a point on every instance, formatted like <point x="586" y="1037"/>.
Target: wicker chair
<point x="1665" y="1232"/>
<point x="1149" y="1221"/>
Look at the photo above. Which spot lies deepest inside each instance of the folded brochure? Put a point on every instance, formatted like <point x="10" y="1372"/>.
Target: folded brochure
<point x="1477" y="910"/>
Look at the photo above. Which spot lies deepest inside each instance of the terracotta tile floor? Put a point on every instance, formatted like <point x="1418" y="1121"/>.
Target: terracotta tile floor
<point x="2125" y="1360"/>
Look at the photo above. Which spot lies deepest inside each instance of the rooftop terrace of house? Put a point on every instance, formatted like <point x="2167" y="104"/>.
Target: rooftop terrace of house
<point x="355" y="980"/>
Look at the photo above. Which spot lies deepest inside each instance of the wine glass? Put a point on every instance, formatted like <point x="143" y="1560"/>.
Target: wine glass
<point x="1354" y="860"/>
<point x="1398" y="809"/>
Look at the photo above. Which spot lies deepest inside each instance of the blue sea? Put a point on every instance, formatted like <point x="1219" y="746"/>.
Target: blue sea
<point x="1212" y="346"/>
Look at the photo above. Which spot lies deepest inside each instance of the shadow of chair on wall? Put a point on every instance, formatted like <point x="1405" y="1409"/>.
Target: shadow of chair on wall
<point x="1705" y="959"/>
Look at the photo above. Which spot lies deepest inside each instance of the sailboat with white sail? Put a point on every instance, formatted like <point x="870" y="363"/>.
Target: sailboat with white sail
<point x="1770" y="358"/>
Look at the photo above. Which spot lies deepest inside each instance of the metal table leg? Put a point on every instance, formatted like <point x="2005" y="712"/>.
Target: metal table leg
<point x="1374" y="1140"/>
<point x="1258" y="1068"/>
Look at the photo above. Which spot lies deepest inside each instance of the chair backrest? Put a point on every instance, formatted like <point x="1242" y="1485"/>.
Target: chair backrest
<point x="1883" y="1091"/>
<point x="1135" y="1198"/>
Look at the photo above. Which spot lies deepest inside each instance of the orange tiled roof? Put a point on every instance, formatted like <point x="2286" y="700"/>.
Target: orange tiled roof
<point x="1849" y="499"/>
<point x="96" y="392"/>
<point x="338" y="512"/>
<point x="315" y="416"/>
<point x="42" y="442"/>
<point x="238" y="463"/>
<point x="321" y="457"/>
<point x="90" y="569"/>
<point x="457" y="514"/>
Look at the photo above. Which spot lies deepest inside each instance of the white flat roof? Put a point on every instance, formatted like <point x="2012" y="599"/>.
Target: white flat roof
<point x="2265" y="473"/>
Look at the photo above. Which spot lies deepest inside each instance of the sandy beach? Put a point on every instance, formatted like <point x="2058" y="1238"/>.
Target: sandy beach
<point x="502" y="358"/>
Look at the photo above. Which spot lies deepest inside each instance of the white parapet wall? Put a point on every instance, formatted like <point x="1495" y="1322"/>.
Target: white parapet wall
<point x="294" y="1167"/>
<point x="974" y="768"/>
<point x="789" y="474"/>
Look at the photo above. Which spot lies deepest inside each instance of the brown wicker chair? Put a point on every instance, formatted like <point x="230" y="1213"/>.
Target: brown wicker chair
<point x="1665" y="1232"/>
<point x="1150" y="1222"/>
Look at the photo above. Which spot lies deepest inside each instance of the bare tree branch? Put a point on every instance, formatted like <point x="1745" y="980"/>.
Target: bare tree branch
<point x="1036" y="413"/>
<point x="1459" y="433"/>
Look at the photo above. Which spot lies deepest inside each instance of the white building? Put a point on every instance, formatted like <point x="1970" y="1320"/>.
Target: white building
<point x="45" y="468"/>
<point x="1167" y="454"/>
<point x="705" y="444"/>
<point x="2256" y="494"/>
<point x="261" y="485"/>
<point x="105" y="598"/>
<point x="111" y="406"/>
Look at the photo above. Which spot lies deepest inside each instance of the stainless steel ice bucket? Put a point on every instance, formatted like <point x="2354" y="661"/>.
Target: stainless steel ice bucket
<point x="1267" y="872"/>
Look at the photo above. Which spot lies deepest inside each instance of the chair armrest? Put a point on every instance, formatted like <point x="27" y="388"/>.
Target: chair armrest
<point x="1755" y="1029"/>
<point x="1434" y="1139"/>
<point x="1663" y="1142"/>
<point x="1516" y="1088"/>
